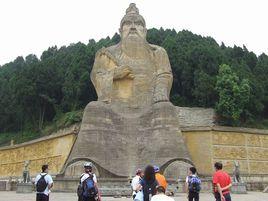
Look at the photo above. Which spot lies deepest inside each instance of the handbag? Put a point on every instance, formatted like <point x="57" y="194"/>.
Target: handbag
<point x="139" y="196"/>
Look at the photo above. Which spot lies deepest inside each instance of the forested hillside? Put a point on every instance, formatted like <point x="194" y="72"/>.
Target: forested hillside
<point x="35" y="92"/>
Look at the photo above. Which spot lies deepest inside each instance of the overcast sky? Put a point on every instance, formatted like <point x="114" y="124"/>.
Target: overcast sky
<point x="31" y="26"/>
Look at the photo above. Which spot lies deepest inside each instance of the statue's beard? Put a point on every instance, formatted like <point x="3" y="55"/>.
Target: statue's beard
<point x="134" y="46"/>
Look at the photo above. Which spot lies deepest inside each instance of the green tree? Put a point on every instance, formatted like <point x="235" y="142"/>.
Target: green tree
<point x="233" y="95"/>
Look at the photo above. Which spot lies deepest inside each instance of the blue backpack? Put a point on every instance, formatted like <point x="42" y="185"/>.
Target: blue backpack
<point x="89" y="189"/>
<point x="194" y="184"/>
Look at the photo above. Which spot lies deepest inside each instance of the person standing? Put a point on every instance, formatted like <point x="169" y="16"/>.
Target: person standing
<point x="193" y="184"/>
<point x="148" y="184"/>
<point x="160" y="178"/>
<point x="221" y="183"/>
<point x="88" y="184"/>
<point x="135" y="182"/>
<point x="43" y="183"/>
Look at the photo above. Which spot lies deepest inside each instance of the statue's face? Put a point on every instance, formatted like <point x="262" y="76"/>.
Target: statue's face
<point x="133" y="28"/>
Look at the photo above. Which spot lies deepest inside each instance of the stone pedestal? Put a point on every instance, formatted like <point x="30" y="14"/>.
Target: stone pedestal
<point x="107" y="187"/>
<point x="24" y="188"/>
<point x="8" y="185"/>
<point x="122" y="187"/>
<point x="3" y="185"/>
<point x="239" y="188"/>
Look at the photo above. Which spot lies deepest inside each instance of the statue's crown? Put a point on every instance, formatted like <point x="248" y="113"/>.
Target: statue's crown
<point x="132" y="9"/>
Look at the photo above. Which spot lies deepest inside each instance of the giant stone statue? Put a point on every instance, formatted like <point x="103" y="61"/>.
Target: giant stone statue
<point x="132" y="73"/>
<point x="133" y="123"/>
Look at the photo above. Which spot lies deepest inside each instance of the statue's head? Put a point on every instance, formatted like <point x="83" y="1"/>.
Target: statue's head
<point x="133" y="24"/>
<point x="26" y="163"/>
<point x="236" y="163"/>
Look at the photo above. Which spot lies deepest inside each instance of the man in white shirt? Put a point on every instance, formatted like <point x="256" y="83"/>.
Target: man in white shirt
<point x="89" y="174"/>
<point x="135" y="182"/>
<point x="88" y="171"/>
<point x="160" y="195"/>
<point x="43" y="183"/>
<point x="192" y="184"/>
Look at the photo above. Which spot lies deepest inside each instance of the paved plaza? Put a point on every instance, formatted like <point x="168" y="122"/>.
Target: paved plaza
<point x="13" y="196"/>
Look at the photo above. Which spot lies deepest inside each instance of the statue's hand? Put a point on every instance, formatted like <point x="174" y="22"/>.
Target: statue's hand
<point x="122" y="72"/>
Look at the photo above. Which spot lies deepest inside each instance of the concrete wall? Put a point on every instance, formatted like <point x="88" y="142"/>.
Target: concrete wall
<point x="195" y="117"/>
<point x="52" y="150"/>
<point x="247" y="146"/>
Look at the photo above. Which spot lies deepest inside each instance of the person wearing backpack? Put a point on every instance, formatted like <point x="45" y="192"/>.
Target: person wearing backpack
<point x="43" y="184"/>
<point x="148" y="184"/>
<point x="193" y="185"/>
<point x="87" y="189"/>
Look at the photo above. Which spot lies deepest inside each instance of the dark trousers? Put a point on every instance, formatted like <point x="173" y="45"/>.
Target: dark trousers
<point x="88" y="199"/>
<point x="226" y="196"/>
<point x="193" y="196"/>
<point x="42" y="197"/>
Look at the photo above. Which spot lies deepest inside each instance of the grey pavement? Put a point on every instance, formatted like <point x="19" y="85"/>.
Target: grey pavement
<point x="13" y="196"/>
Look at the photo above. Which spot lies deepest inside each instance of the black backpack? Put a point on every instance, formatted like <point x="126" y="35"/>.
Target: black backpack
<point x="41" y="184"/>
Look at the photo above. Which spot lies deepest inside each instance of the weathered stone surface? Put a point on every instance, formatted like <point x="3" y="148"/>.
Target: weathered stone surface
<point x="24" y="188"/>
<point x="52" y="150"/>
<point x="224" y="152"/>
<point x="228" y="138"/>
<point x="264" y="141"/>
<point x="122" y="186"/>
<point x="258" y="167"/>
<point x="195" y="140"/>
<point x="121" y="144"/>
<point x="254" y="140"/>
<point x="199" y="145"/>
<point x="74" y="170"/>
<point x="258" y="154"/>
<point x="3" y="185"/>
<point x="177" y="170"/>
<point x="9" y="184"/>
<point x="239" y="188"/>
<point x="196" y="117"/>
<point x="132" y="124"/>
